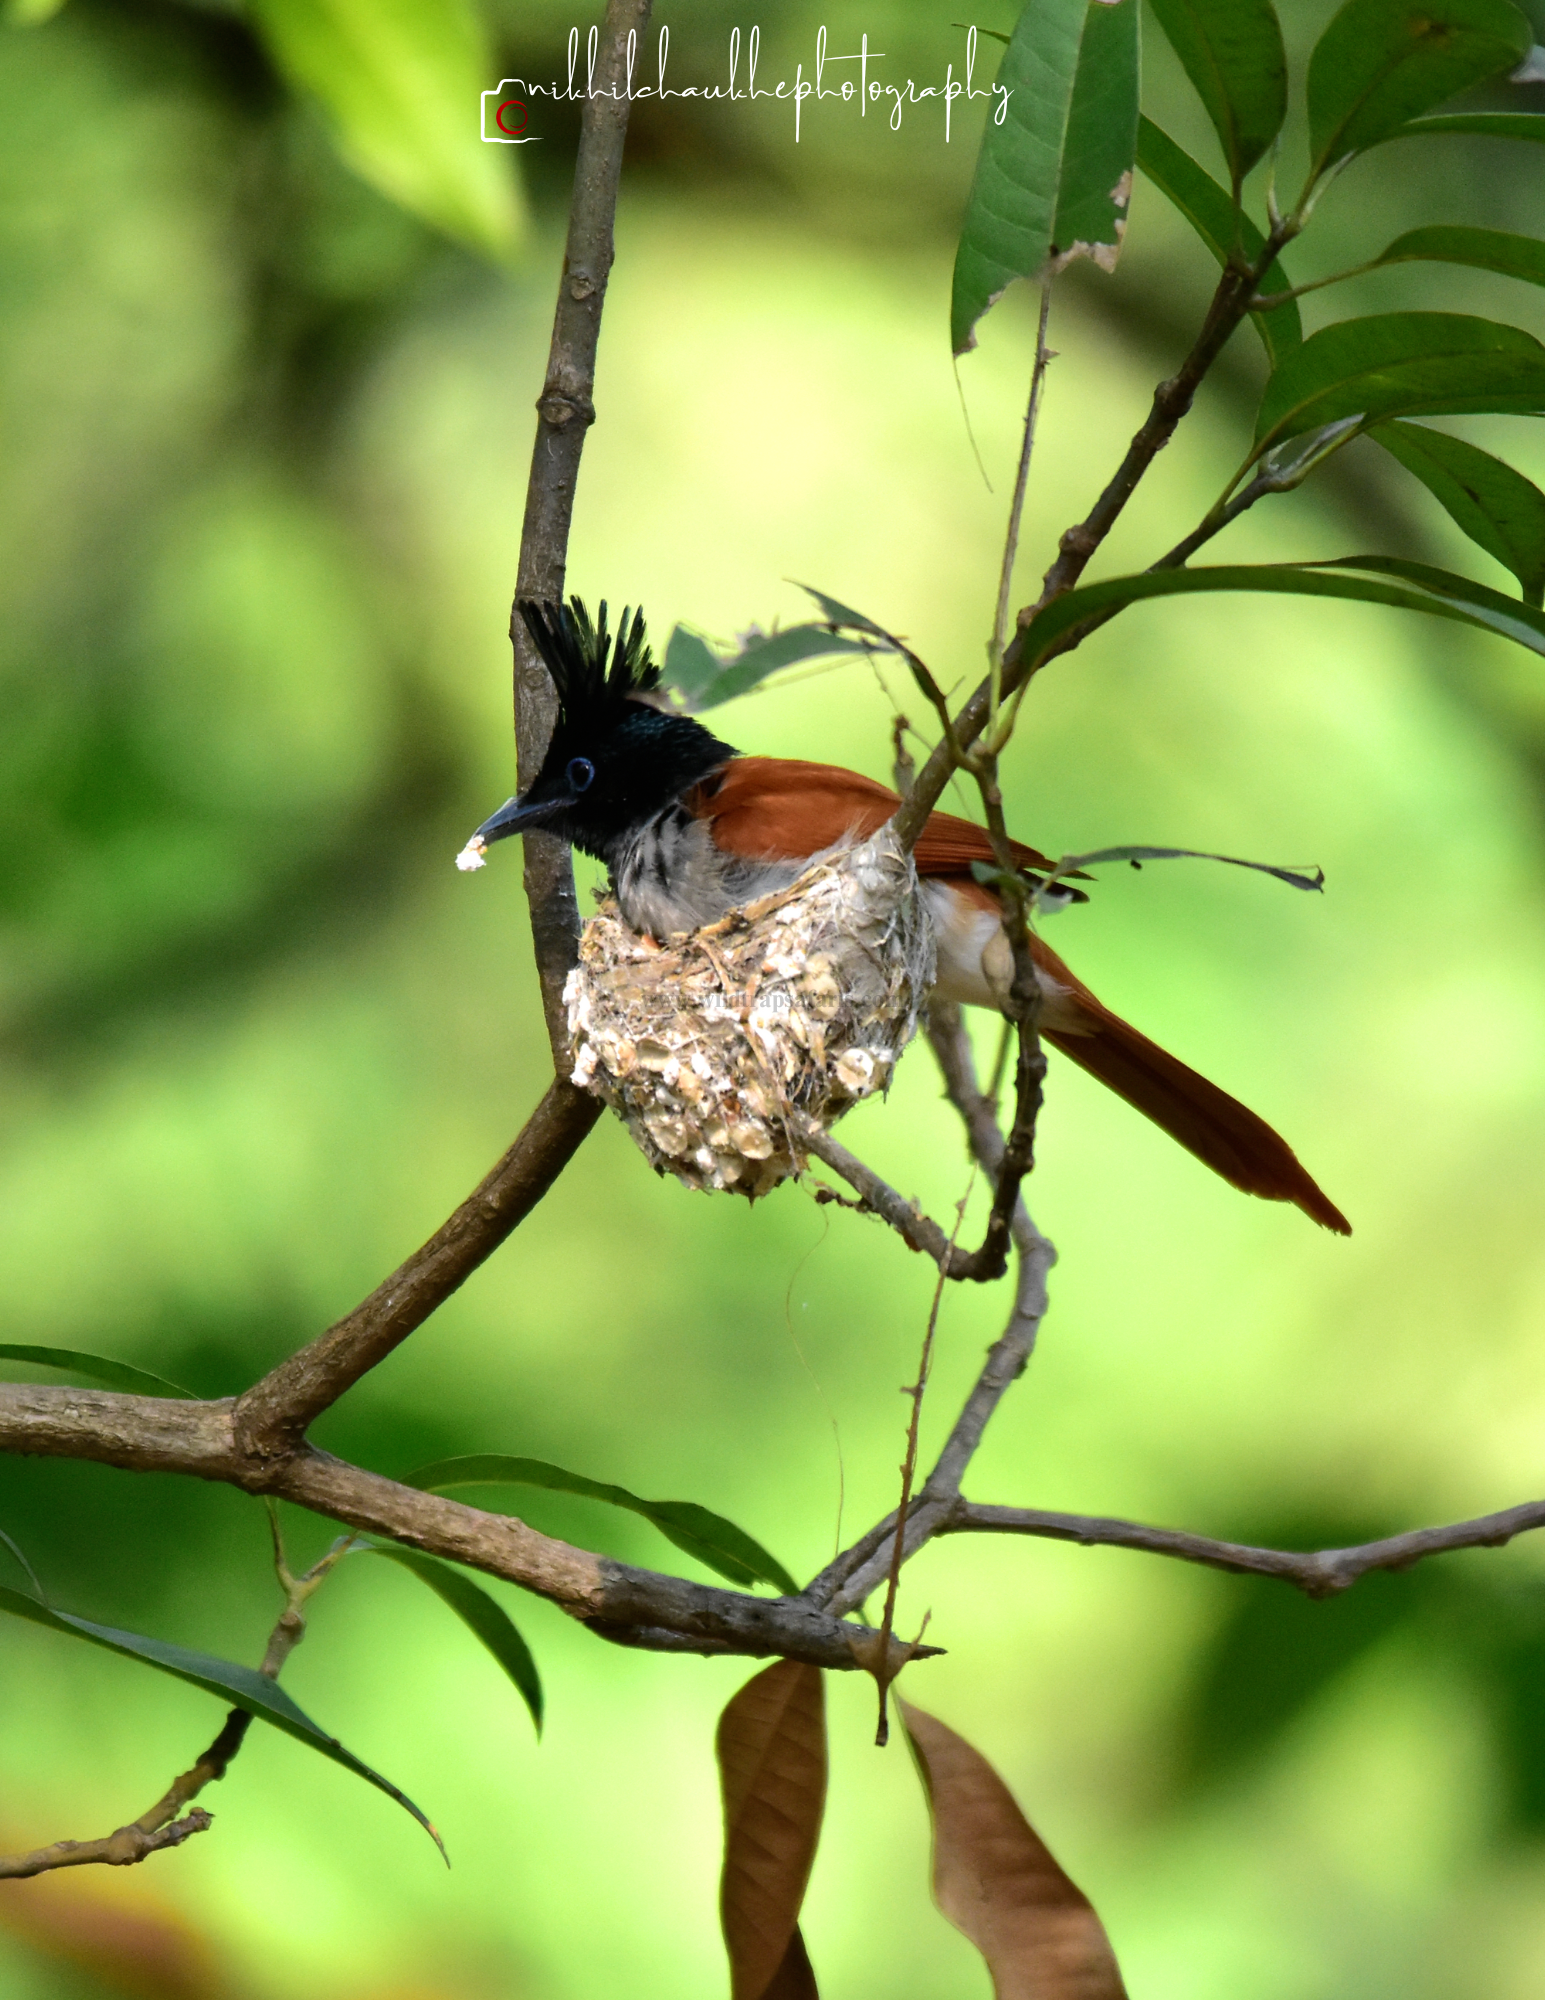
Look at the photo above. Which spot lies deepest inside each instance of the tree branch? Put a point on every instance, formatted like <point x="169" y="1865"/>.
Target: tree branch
<point x="848" y="1580"/>
<point x="274" y="1414"/>
<point x="565" y="411"/>
<point x="1322" y="1573"/>
<point x="198" y="1439"/>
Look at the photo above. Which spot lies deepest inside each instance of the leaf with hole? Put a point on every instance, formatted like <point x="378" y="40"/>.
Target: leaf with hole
<point x="771" y="1746"/>
<point x="485" y="1619"/>
<point x="1232" y="52"/>
<point x="996" y="1879"/>
<point x="1047" y="168"/>
<point x="1222" y="227"/>
<point x="245" y="1687"/>
<point x="1498" y="508"/>
<point x="1406" y="586"/>
<point x="703" y="680"/>
<point x="400" y="84"/>
<point x="97" y="1367"/>
<point x="1381" y="63"/>
<point x="1400" y="365"/>
<point x="706" y="1536"/>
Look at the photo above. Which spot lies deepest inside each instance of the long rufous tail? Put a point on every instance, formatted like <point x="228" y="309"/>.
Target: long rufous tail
<point x="1217" y="1128"/>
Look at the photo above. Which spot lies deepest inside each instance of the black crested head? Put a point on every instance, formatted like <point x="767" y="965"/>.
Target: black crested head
<point x="615" y="760"/>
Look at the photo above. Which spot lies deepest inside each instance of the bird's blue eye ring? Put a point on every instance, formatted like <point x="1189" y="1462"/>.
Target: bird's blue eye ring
<point x="581" y="773"/>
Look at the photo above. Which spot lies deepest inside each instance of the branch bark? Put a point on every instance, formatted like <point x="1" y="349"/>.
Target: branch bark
<point x="1318" y="1573"/>
<point x="565" y="411"/>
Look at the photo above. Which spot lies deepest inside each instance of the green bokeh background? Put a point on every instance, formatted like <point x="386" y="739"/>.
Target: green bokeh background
<point x="267" y="443"/>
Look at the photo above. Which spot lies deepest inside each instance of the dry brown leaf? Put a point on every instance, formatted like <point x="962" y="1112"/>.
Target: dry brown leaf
<point x="128" y="1941"/>
<point x="996" y="1880"/>
<point x="772" y="1768"/>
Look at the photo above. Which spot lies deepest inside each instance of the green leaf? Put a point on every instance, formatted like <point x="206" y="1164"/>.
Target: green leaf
<point x="1026" y="176"/>
<point x="400" y="82"/>
<point x="245" y="1687"/>
<point x="704" y="680"/>
<point x="1098" y="154"/>
<point x="115" y="1374"/>
<point x="1527" y="125"/>
<point x="1485" y="249"/>
<point x="487" y="1620"/>
<point x="1494" y="505"/>
<point x="1402" y="365"/>
<point x="1406" y="586"/>
<point x="1224" y="228"/>
<point x="707" y="1537"/>
<point x="1232" y="51"/>
<point x="1382" y="62"/>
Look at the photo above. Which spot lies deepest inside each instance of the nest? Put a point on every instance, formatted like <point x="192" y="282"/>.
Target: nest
<point x="715" y="1045"/>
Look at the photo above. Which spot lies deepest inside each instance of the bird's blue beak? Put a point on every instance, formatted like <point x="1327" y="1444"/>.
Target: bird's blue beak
<point x="513" y="816"/>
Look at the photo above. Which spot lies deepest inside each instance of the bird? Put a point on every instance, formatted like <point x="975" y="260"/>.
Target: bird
<point x="691" y="828"/>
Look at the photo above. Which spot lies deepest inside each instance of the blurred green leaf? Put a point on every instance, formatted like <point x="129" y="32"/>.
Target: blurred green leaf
<point x="1406" y="586"/>
<point x="1485" y="249"/>
<point x="487" y="1620"/>
<point x="1528" y="125"/>
<point x="115" y="1374"/>
<point x="704" y="680"/>
<point x="1278" y="1653"/>
<point x="1026" y="176"/>
<point x="1496" y="507"/>
<point x="1382" y="62"/>
<point x="1222" y="226"/>
<point x="1232" y="51"/>
<point x="1399" y="365"/>
<point x="244" y="1686"/>
<point x="22" y="1563"/>
<point x="400" y="81"/>
<point x="1095" y="189"/>
<point x="29" y="13"/>
<point x="706" y="1536"/>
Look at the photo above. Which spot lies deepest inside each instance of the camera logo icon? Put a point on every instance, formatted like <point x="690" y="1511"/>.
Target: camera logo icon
<point x="504" y="115"/>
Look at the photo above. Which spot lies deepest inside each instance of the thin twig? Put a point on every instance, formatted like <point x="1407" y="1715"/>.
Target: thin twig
<point x="166" y="1824"/>
<point x="908" y="1470"/>
<point x="1000" y="621"/>
<point x="1321" y="1573"/>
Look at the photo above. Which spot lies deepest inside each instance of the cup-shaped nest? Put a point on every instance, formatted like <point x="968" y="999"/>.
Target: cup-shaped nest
<point x="715" y="1045"/>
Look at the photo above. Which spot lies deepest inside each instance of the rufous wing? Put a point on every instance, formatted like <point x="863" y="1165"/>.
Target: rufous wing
<point x="782" y="809"/>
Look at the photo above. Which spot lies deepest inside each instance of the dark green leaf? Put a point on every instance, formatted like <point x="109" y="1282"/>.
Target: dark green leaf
<point x="1276" y="1653"/>
<point x="1382" y="62"/>
<point x="401" y="85"/>
<point x="487" y="1620"/>
<point x="707" y="1537"/>
<point x="1222" y="227"/>
<point x="1407" y="586"/>
<point x="1232" y="51"/>
<point x="1024" y="172"/>
<point x="1494" y="505"/>
<point x="1485" y="249"/>
<point x="1401" y="365"/>
<point x="1095" y="189"/>
<point x="1527" y="125"/>
<point x="23" y="1564"/>
<point x="115" y="1374"/>
<point x="245" y="1687"/>
<point x="704" y="680"/>
<point x="837" y="613"/>
<point x="1297" y="878"/>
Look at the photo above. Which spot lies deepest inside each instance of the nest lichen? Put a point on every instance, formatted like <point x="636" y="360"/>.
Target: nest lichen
<point x="713" y="1046"/>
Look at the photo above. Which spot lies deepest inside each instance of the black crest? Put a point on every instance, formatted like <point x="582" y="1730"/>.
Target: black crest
<point x="593" y="677"/>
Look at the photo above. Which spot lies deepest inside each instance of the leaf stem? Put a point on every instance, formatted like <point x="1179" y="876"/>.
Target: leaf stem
<point x="1000" y="623"/>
